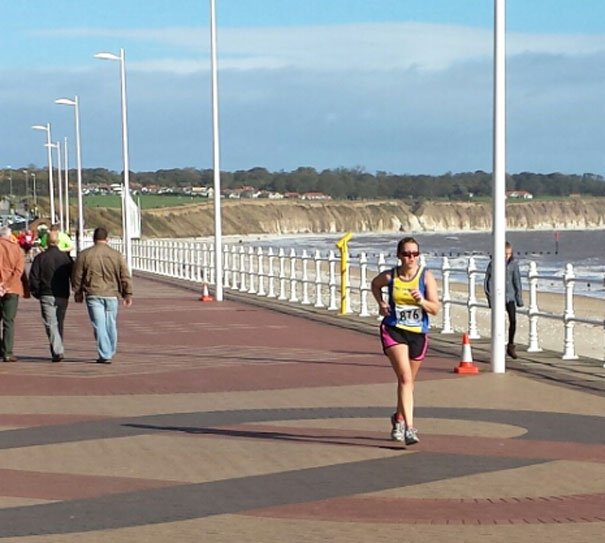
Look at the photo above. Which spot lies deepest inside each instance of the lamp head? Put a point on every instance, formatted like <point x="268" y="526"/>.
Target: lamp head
<point x="65" y="101"/>
<point x="40" y="127"/>
<point x="107" y="56"/>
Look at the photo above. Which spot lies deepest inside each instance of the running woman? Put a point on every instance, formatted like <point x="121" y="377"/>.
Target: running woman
<point x="412" y="297"/>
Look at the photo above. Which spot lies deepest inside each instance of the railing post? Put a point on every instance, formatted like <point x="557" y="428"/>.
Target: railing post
<point x="173" y="260"/>
<point x="446" y="324"/>
<point x="347" y="299"/>
<point x="242" y="270"/>
<point x="533" y="343"/>
<point x="293" y="296"/>
<point x="333" y="305"/>
<point x="261" y="272"/>
<point x="569" y="345"/>
<point x="204" y="262"/>
<point x="212" y="250"/>
<point x="271" y="273"/>
<point x="473" y="331"/>
<point x="363" y="285"/>
<point x="189" y="258"/>
<point x="382" y="265"/>
<point x="318" y="282"/>
<point x="282" y="274"/>
<point x="251" y="271"/>
<point x="234" y="268"/>
<point x="226" y="268"/>
<point x="305" y="278"/>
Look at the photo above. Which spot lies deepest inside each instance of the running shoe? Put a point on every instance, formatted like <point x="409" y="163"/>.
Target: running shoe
<point x="411" y="436"/>
<point x="397" y="428"/>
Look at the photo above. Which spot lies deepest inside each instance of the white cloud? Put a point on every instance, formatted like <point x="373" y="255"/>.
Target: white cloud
<point x="356" y="47"/>
<point x="398" y="97"/>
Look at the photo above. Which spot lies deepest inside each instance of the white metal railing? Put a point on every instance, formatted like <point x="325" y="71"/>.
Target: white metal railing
<point x="311" y="279"/>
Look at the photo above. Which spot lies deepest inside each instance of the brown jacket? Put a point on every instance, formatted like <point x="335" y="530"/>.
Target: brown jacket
<point x="12" y="264"/>
<point x="101" y="271"/>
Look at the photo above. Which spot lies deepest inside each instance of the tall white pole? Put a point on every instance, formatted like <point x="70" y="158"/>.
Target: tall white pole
<point x="51" y="187"/>
<point x="218" y="243"/>
<point x="79" y="168"/>
<point x="34" y="188"/>
<point x="26" y="174"/>
<point x="498" y="295"/>
<point x="126" y="241"/>
<point x="126" y="187"/>
<point x="66" y="167"/>
<point x="60" y="185"/>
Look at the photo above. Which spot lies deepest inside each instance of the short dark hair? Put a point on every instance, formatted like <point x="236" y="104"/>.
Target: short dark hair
<point x="100" y="234"/>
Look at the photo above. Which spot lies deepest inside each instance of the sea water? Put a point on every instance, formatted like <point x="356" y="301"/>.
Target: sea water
<point x="550" y="250"/>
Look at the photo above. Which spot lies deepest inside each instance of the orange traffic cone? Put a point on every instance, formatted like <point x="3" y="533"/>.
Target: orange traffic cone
<point x="466" y="365"/>
<point x="205" y="297"/>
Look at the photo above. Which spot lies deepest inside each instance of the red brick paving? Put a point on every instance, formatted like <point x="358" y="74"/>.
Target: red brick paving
<point x="551" y="509"/>
<point x="170" y="344"/>
<point x="66" y="486"/>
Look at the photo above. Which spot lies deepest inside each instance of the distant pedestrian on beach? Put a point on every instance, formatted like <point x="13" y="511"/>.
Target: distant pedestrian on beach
<point x="12" y="265"/>
<point x="101" y="276"/>
<point x="49" y="282"/>
<point x="412" y="297"/>
<point x="514" y="295"/>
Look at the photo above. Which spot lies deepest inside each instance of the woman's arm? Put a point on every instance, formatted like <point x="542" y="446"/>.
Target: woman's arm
<point x="378" y="283"/>
<point x="430" y="301"/>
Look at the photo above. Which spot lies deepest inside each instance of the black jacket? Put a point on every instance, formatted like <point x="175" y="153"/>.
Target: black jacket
<point x="50" y="274"/>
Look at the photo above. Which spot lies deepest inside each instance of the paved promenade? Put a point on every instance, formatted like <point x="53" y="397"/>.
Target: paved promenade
<point x="232" y="422"/>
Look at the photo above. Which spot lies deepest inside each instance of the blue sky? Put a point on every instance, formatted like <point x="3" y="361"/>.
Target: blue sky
<point x="402" y="86"/>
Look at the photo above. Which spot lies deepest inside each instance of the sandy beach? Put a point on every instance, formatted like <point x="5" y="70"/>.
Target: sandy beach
<point x="589" y="339"/>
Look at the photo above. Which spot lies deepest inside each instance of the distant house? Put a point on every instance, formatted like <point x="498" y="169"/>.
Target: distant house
<point x="204" y="192"/>
<point x="519" y="194"/>
<point x="270" y="195"/>
<point x="292" y="195"/>
<point x="316" y="196"/>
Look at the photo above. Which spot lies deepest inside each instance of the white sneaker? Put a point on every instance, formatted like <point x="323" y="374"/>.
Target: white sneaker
<point x="397" y="429"/>
<point x="411" y="436"/>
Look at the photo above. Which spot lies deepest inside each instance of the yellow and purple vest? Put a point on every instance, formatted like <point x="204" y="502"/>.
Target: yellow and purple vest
<point x="406" y="313"/>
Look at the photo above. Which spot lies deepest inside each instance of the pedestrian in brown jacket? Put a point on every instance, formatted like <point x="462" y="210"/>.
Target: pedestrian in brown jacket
<point x="12" y="264"/>
<point x="101" y="276"/>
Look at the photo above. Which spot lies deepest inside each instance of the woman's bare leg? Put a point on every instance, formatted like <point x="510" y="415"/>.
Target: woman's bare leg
<point x="405" y="372"/>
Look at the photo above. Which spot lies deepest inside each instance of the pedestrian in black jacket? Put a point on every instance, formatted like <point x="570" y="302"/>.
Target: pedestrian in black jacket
<point x="513" y="293"/>
<point x="49" y="282"/>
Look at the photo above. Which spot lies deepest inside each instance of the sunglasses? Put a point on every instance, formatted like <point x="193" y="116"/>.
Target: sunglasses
<point x="409" y="254"/>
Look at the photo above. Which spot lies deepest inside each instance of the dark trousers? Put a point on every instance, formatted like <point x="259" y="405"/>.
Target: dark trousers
<point x="8" y="312"/>
<point x="511" y="310"/>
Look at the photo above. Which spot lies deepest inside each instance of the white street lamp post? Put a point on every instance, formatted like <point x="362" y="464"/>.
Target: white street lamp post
<point x="66" y="167"/>
<point x="127" y="242"/>
<point x="33" y="174"/>
<point x="26" y="174"/>
<point x="51" y="190"/>
<point x="57" y="146"/>
<point x="498" y="325"/>
<point x="76" y="105"/>
<point x="28" y="215"/>
<point x="218" y="243"/>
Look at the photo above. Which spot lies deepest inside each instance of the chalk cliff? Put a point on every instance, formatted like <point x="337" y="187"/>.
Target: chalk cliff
<point x="291" y="217"/>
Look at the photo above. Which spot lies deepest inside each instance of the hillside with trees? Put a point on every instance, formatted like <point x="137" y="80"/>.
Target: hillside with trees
<point x="340" y="183"/>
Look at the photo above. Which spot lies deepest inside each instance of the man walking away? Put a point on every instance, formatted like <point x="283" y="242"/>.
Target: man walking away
<point x="49" y="282"/>
<point x="101" y="276"/>
<point x="12" y="264"/>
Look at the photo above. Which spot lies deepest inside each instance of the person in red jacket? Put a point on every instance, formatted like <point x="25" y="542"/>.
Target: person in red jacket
<point x="12" y="265"/>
